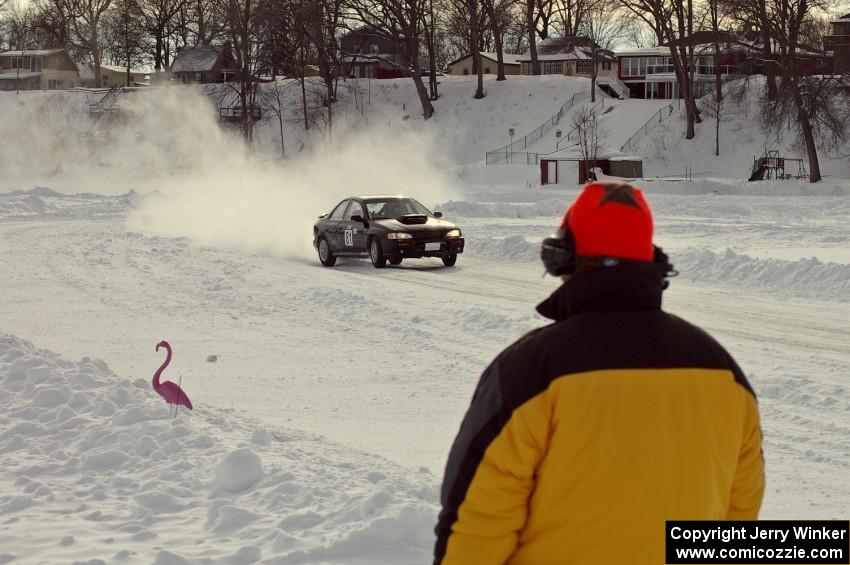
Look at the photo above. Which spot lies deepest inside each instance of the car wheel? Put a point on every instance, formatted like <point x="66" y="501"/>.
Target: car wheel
<point x="326" y="256"/>
<point x="376" y="254"/>
<point x="450" y="259"/>
<point x="395" y="260"/>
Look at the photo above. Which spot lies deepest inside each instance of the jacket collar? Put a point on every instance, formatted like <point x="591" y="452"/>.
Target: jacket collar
<point x="605" y="289"/>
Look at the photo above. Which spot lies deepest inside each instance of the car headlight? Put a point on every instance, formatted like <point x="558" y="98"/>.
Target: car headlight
<point x="453" y="233"/>
<point x="399" y="235"/>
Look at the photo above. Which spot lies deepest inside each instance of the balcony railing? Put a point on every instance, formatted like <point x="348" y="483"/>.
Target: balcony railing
<point x="699" y="70"/>
<point x="830" y="42"/>
<point x="234" y="114"/>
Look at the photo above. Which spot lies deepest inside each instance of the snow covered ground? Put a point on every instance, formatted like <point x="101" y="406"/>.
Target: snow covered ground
<point x="337" y="392"/>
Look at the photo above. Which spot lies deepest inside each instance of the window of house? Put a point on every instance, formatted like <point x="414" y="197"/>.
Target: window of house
<point x="486" y="70"/>
<point x="553" y="68"/>
<point x="606" y="65"/>
<point x="369" y="71"/>
<point x="17" y="62"/>
<point x="584" y="67"/>
<point x="35" y="64"/>
<point x="465" y="71"/>
<point x="204" y="77"/>
<point x="373" y="49"/>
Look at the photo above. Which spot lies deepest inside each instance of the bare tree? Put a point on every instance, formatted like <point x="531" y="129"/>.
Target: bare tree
<point x="124" y="35"/>
<point x="159" y="16"/>
<point x="531" y="30"/>
<point x="569" y="15"/>
<point x="243" y="27"/>
<point x="498" y="16"/>
<point x="54" y="22"/>
<point x="85" y="21"/>
<point x="810" y="98"/>
<point x="21" y="19"/>
<point x="401" y="22"/>
<point x="601" y="27"/>
<point x="589" y="135"/>
<point x="274" y="99"/>
<point x="475" y="30"/>
<point x="322" y="21"/>
<point x="675" y="19"/>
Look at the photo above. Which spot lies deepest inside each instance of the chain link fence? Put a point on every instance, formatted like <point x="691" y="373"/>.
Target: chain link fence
<point x="630" y="146"/>
<point x="515" y="153"/>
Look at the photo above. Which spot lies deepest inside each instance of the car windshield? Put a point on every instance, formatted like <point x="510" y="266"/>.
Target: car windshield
<point x="386" y="208"/>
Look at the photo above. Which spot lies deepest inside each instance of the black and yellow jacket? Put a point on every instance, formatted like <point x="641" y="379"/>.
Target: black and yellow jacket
<point x="584" y="436"/>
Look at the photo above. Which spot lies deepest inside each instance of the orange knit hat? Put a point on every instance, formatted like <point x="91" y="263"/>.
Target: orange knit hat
<point x="611" y="219"/>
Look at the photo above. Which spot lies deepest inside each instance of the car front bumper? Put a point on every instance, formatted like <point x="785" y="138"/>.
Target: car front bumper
<point x="417" y="248"/>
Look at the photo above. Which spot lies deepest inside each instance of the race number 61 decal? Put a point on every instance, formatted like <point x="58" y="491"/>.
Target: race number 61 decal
<point x="349" y="238"/>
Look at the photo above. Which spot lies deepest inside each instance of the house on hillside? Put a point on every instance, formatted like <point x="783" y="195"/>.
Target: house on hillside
<point x="489" y="61"/>
<point x="649" y="72"/>
<point x="38" y="69"/>
<point x="205" y="63"/>
<point x="112" y="76"/>
<point x="839" y="43"/>
<point x="366" y="53"/>
<point x="570" y="56"/>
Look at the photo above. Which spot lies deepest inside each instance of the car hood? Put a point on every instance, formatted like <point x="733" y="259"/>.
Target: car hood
<point x="433" y="224"/>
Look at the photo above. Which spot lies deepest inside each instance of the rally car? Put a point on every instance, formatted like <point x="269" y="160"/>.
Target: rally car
<point x="386" y="228"/>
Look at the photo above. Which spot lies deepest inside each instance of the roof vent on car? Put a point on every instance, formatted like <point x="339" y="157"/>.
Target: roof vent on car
<point x="410" y="219"/>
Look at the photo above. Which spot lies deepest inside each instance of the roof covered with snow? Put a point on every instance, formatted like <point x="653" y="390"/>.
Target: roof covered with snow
<point x="564" y="49"/>
<point x="30" y="52"/>
<point x="197" y="59"/>
<point x="507" y="58"/>
<point x="118" y="69"/>
<point x="14" y="75"/>
<point x="644" y="52"/>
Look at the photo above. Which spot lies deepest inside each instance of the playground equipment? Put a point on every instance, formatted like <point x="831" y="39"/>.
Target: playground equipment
<point x="772" y="166"/>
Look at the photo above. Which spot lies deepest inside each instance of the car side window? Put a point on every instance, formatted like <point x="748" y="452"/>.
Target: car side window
<point x="338" y="213"/>
<point x="354" y="209"/>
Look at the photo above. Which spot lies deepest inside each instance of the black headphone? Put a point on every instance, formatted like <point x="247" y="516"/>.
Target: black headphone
<point x="559" y="257"/>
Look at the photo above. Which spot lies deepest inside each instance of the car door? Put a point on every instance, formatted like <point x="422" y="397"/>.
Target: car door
<point x="335" y="225"/>
<point x="354" y="233"/>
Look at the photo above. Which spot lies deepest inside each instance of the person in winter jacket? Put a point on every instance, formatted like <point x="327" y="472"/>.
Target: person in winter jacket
<point x="586" y="435"/>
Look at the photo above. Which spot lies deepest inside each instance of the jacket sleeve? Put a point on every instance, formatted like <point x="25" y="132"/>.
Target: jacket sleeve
<point x="490" y="476"/>
<point x="748" y="485"/>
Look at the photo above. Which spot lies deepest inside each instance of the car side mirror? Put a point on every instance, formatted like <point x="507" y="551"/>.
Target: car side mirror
<point x="438" y="214"/>
<point x="357" y="218"/>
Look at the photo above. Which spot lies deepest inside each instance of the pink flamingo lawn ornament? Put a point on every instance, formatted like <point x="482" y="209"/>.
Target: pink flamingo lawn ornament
<point x="171" y="392"/>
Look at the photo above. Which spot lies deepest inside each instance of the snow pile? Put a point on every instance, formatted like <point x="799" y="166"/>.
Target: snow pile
<point x="512" y="248"/>
<point x="107" y="473"/>
<point x="810" y="278"/>
<point x="555" y="206"/>
<point x="44" y="202"/>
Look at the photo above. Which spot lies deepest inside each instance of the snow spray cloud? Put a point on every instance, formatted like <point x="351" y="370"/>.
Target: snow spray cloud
<point x="239" y="202"/>
<point x="48" y="138"/>
<point x="196" y="178"/>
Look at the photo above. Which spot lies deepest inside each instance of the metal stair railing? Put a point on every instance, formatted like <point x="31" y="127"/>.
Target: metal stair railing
<point x="631" y="143"/>
<point x="515" y="153"/>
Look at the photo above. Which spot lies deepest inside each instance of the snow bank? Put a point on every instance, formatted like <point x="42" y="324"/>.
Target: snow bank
<point x="107" y="473"/>
<point x="809" y="278"/>
<point x="43" y="202"/>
